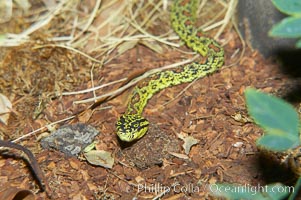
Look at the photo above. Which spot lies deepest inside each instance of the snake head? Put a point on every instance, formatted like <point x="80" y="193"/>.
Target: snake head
<point x="131" y="127"/>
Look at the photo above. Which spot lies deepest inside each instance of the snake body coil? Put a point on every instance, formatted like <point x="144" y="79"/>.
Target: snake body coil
<point x="132" y="125"/>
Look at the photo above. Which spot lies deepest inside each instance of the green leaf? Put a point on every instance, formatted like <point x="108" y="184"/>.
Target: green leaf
<point x="276" y="143"/>
<point x="234" y="191"/>
<point x="272" y="113"/>
<point x="278" y="118"/>
<point x="290" y="7"/>
<point x="289" y="27"/>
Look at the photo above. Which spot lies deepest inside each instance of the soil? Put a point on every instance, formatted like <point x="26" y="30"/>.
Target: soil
<point x="211" y="110"/>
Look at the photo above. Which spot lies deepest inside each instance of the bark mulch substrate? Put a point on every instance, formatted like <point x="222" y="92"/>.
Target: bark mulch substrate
<point x="212" y="110"/>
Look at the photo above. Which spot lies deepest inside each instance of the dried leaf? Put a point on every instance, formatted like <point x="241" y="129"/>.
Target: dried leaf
<point x="5" y="108"/>
<point x="188" y="143"/>
<point x="179" y="155"/>
<point x="126" y="46"/>
<point x="153" y="46"/>
<point x="100" y="158"/>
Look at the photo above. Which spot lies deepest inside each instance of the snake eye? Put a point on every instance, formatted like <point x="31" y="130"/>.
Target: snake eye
<point x="136" y="125"/>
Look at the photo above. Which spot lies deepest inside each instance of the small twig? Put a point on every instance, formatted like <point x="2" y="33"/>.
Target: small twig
<point x="228" y="16"/>
<point x="152" y="36"/>
<point x="69" y="48"/>
<point x="42" y="128"/>
<point x="93" y="88"/>
<point x="134" y="81"/>
<point x="32" y="161"/>
<point x="89" y="22"/>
